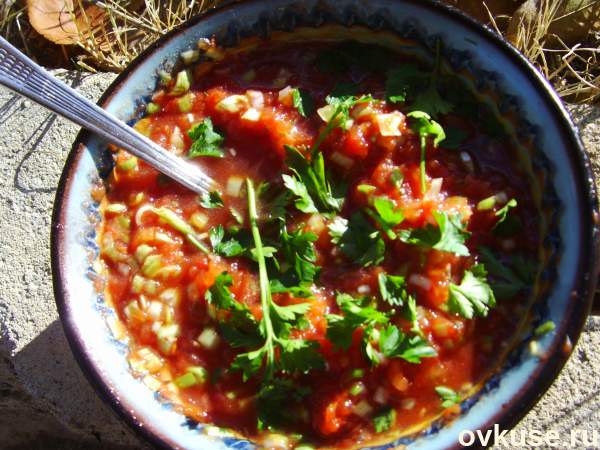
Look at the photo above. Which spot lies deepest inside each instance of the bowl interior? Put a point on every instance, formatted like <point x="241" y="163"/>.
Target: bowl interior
<point x="560" y="174"/>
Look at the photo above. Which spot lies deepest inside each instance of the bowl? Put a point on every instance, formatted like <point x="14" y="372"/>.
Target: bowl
<point x="559" y="171"/>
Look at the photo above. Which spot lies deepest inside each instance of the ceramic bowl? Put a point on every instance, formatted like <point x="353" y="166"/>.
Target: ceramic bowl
<point x="559" y="174"/>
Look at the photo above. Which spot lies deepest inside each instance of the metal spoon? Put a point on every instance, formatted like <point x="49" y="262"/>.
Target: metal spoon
<point x="25" y="77"/>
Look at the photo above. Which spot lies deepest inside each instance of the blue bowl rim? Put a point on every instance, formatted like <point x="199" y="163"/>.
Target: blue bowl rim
<point x="583" y="291"/>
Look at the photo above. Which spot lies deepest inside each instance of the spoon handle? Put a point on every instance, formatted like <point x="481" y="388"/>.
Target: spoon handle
<point x="25" y="77"/>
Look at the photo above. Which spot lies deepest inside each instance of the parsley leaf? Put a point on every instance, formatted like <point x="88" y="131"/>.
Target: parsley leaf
<point x="205" y="140"/>
<point x="386" y="214"/>
<point x="449" y="236"/>
<point x="425" y="127"/>
<point x="360" y="241"/>
<point x="508" y="224"/>
<point x="273" y="402"/>
<point x="507" y="281"/>
<point x="393" y="291"/>
<point x="303" y="102"/>
<point x="241" y="328"/>
<point x="300" y="356"/>
<point x="210" y="200"/>
<point x="299" y="251"/>
<point x="341" y="328"/>
<point x="228" y="248"/>
<point x="430" y="100"/>
<point x="393" y="343"/>
<point x="454" y="138"/>
<point x="309" y="183"/>
<point x="473" y="296"/>
<point x="449" y="396"/>
<point x="402" y="80"/>
<point x="384" y="419"/>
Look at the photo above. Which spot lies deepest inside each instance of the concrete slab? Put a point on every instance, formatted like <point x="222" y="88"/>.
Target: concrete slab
<point x="45" y="401"/>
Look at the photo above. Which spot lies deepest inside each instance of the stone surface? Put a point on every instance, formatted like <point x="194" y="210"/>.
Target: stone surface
<point x="45" y="401"/>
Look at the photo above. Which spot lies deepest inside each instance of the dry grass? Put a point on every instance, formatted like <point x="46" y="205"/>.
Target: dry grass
<point x="574" y="70"/>
<point x="129" y="26"/>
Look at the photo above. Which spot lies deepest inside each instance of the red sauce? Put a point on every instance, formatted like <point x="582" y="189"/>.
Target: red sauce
<point x="467" y="349"/>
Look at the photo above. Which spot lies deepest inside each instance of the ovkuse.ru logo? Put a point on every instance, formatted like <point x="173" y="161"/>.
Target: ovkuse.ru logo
<point x="530" y="438"/>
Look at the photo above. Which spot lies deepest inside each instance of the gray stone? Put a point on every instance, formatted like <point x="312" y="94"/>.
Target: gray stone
<point x="45" y="401"/>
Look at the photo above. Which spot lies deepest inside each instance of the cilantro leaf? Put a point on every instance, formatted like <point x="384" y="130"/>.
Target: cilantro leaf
<point x="210" y="200"/>
<point x="508" y="224"/>
<point x="309" y="183"/>
<point x="341" y="328"/>
<point x="278" y="286"/>
<point x="392" y="289"/>
<point x="205" y="140"/>
<point x="386" y="214"/>
<point x="337" y="228"/>
<point x="473" y="296"/>
<point x="384" y="419"/>
<point x="249" y="363"/>
<point x="303" y="102"/>
<point x="274" y="401"/>
<point x="448" y="236"/>
<point x="300" y="356"/>
<point x="431" y="102"/>
<point x="241" y="329"/>
<point x="361" y="242"/>
<point x="507" y="281"/>
<point x="402" y="80"/>
<point x="425" y="127"/>
<point x="454" y="137"/>
<point x="228" y="248"/>
<point x="299" y="251"/>
<point x="393" y="343"/>
<point x="449" y="396"/>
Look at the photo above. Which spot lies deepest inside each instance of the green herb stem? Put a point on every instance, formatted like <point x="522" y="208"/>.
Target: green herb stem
<point x="422" y="164"/>
<point x="265" y="291"/>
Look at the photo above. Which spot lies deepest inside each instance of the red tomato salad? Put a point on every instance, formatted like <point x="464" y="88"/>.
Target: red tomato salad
<point x="361" y="265"/>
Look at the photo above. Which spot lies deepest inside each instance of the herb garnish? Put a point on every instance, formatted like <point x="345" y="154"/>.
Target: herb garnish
<point x="210" y="200"/>
<point x="386" y="214"/>
<point x="303" y="102"/>
<point x="392" y="289"/>
<point x="309" y="183"/>
<point x="449" y="396"/>
<point x="384" y="420"/>
<point x="473" y="296"/>
<point x="425" y="127"/>
<point x="205" y="140"/>
<point x="228" y="248"/>
<point x="507" y="281"/>
<point x="391" y="341"/>
<point x="358" y="240"/>
<point x="295" y="355"/>
<point x="448" y="236"/>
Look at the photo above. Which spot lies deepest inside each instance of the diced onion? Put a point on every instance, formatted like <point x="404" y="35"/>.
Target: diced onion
<point x="167" y="336"/>
<point x="285" y="96"/>
<point x="315" y="223"/>
<point x="363" y="289"/>
<point x="176" y="140"/>
<point x="116" y="208"/>
<point x="142" y="251"/>
<point x="256" y="98"/>
<point x="275" y="442"/>
<point x="152" y="361"/>
<point x="182" y="83"/>
<point x="362" y="110"/>
<point x="141" y="211"/>
<point x="420" y="280"/>
<point x="155" y="309"/>
<point x="190" y="56"/>
<point x="435" y="186"/>
<point x="233" y="103"/>
<point x="199" y="220"/>
<point x="170" y="296"/>
<point x="251" y="115"/>
<point x="326" y="112"/>
<point x="408" y="403"/>
<point x="234" y="186"/>
<point x="152" y="265"/>
<point x="208" y="339"/>
<point x="363" y="409"/>
<point x="389" y="124"/>
<point x="185" y="102"/>
<point x="342" y="160"/>
<point x="380" y="396"/>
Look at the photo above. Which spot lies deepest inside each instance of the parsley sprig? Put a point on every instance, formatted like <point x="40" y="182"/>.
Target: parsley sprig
<point x="426" y="128"/>
<point x="294" y="355"/>
<point x="205" y="140"/>
<point x="380" y="337"/>
<point x="473" y="296"/>
<point x="449" y="236"/>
